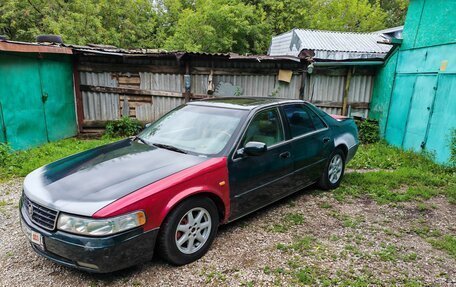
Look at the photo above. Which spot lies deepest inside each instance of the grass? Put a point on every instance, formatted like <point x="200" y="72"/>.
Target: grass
<point x="445" y="243"/>
<point x="289" y="220"/>
<point x="396" y="176"/>
<point x="20" y="163"/>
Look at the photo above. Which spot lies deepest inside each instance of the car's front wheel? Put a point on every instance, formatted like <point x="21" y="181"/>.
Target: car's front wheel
<point x="334" y="171"/>
<point x="188" y="231"/>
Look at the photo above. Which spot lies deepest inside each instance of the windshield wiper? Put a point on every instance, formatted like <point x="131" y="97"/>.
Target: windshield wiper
<point x="138" y="138"/>
<point x="169" y="147"/>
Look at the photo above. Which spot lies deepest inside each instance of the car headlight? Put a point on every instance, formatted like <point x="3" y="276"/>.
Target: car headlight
<point x="100" y="227"/>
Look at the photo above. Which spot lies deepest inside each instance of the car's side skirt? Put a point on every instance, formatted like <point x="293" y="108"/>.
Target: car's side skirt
<point x="236" y="217"/>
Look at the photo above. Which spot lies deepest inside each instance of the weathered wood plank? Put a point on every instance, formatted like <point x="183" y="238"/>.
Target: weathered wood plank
<point x="129" y="91"/>
<point x="125" y="68"/>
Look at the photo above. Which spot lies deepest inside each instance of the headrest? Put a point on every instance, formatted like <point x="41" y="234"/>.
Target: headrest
<point x="266" y="126"/>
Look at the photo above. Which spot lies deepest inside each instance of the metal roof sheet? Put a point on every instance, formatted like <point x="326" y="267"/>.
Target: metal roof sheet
<point x="329" y="45"/>
<point x="25" y="47"/>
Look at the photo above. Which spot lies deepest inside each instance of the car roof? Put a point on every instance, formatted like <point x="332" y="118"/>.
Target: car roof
<point x="242" y="103"/>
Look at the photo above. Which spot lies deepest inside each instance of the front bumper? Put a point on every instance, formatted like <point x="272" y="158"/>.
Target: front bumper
<point x="93" y="254"/>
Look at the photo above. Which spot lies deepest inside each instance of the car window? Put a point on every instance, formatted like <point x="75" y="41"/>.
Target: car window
<point x="265" y="127"/>
<point x="299" y="119"/>
<point x="318" y="123"/>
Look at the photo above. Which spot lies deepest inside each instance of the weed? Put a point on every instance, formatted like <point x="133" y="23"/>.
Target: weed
<point x="410" y="257"/>
<point x="446" y="243"/>
<point x="248" y="284"/>
<point x="352" y="222"/>
<point x="453" y="148"/>
<point x="290" y="219"/>
<point x="306" y="275"/>
<point x="294" y="218"/>
<point x="124" y="127"/>
<point x="388" y="253"/>
<point x="325" y="205"/>
<point x="279" y="228"/>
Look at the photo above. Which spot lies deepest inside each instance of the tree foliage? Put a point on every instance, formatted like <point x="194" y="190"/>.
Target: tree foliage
<point x="243" y="26"/>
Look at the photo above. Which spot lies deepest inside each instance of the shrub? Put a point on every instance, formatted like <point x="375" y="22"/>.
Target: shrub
<point x="453" y="148"/>
<point x="369" y="131"/>
<point x="123" y="128"/>
<point x="5" y="154"/>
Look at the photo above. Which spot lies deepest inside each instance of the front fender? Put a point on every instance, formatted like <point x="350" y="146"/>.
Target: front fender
<point x="159" y="198"/>
<point x="194" y="191"/>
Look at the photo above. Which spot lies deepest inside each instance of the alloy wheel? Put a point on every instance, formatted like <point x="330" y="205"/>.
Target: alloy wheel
<point x="193" y="230"/>
<point x="335" y="168"/>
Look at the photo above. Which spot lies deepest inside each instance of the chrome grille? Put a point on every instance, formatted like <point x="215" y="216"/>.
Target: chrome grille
<point x="40" y="215"/>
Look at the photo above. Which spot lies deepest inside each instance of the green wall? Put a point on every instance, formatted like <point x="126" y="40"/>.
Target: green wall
<point x="383" y="87"/>
<point x="36" y="99"/>
<point x="414" y="96"/>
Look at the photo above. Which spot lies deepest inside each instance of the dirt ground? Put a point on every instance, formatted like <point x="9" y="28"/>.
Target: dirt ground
<point x="307" y="239"/>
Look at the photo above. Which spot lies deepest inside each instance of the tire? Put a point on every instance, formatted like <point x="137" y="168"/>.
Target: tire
<point x="328" y="179"/>
<point x="49" y="39"/>
<point x="168" y="245"/>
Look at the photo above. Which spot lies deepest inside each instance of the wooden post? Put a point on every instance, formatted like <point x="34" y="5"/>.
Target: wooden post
<point x="78" y="96"/>
<point x="346" y="91"/>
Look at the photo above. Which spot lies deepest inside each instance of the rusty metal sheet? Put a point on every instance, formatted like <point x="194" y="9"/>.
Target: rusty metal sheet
<point x="33" y="48"/>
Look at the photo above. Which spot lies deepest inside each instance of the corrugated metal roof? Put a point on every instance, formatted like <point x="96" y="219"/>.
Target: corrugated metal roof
<point x="329" y="45"/>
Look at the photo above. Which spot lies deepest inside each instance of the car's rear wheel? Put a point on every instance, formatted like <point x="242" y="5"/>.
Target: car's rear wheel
<point x="188" y="231"/>
<point x="334" y="171"/>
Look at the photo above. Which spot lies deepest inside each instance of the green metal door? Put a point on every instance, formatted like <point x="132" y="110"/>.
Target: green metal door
<point x="443" y="118"/>
<point x="58" y="96"/>
<point x="398" y="112"/>
<point x="20" y="97"/>
<point x="419" y="112"/>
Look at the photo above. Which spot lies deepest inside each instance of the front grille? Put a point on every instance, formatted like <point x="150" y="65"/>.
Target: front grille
<point x="40" y="215"/>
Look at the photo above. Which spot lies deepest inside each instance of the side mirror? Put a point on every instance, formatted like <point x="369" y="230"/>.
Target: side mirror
<point x="255" y="148"/>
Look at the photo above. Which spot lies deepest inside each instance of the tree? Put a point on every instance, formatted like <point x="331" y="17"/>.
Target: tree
<point x="123" y="23"/>
<point x="282" y="16"/>
<point x="347" y="15"/>
<point x="396" y="11"/>
<point x="242" y="26"/>
<point x="220" y="26"/>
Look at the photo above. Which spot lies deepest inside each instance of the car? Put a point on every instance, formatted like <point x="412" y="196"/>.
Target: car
<point x="205" y="163"/>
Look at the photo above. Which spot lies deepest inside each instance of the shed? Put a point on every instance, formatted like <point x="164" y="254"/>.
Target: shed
<point x="37" y="95"/>
<point x="415" y="92"/>
<point x="342" y="67"/>
<point x="330" y="45"/>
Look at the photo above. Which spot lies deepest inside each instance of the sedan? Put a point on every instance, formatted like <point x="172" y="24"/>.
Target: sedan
<point x="169" y="188"/>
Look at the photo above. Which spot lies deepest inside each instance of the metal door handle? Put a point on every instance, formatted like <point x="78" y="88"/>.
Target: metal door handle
<point x="326" y="140"/>
<point x="286" y="154"/>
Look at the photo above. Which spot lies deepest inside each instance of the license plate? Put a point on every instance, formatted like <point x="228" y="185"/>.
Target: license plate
<point x="33" y="236"/>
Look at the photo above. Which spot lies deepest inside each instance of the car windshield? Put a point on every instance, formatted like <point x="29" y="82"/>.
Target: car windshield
<point x="197" y="129"/>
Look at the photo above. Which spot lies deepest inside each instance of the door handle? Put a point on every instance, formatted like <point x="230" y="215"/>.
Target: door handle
<point x="326" y="140"/>
<point x="284" y="155"/>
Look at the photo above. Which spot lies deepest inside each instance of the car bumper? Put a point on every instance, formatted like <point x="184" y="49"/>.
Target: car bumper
<point x="93" y="254"/>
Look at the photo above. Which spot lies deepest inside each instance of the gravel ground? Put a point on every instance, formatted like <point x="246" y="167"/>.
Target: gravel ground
<point x="307" y="239"/>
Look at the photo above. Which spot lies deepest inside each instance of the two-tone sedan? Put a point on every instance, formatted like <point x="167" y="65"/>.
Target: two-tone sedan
<point x="168" y="189"/>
